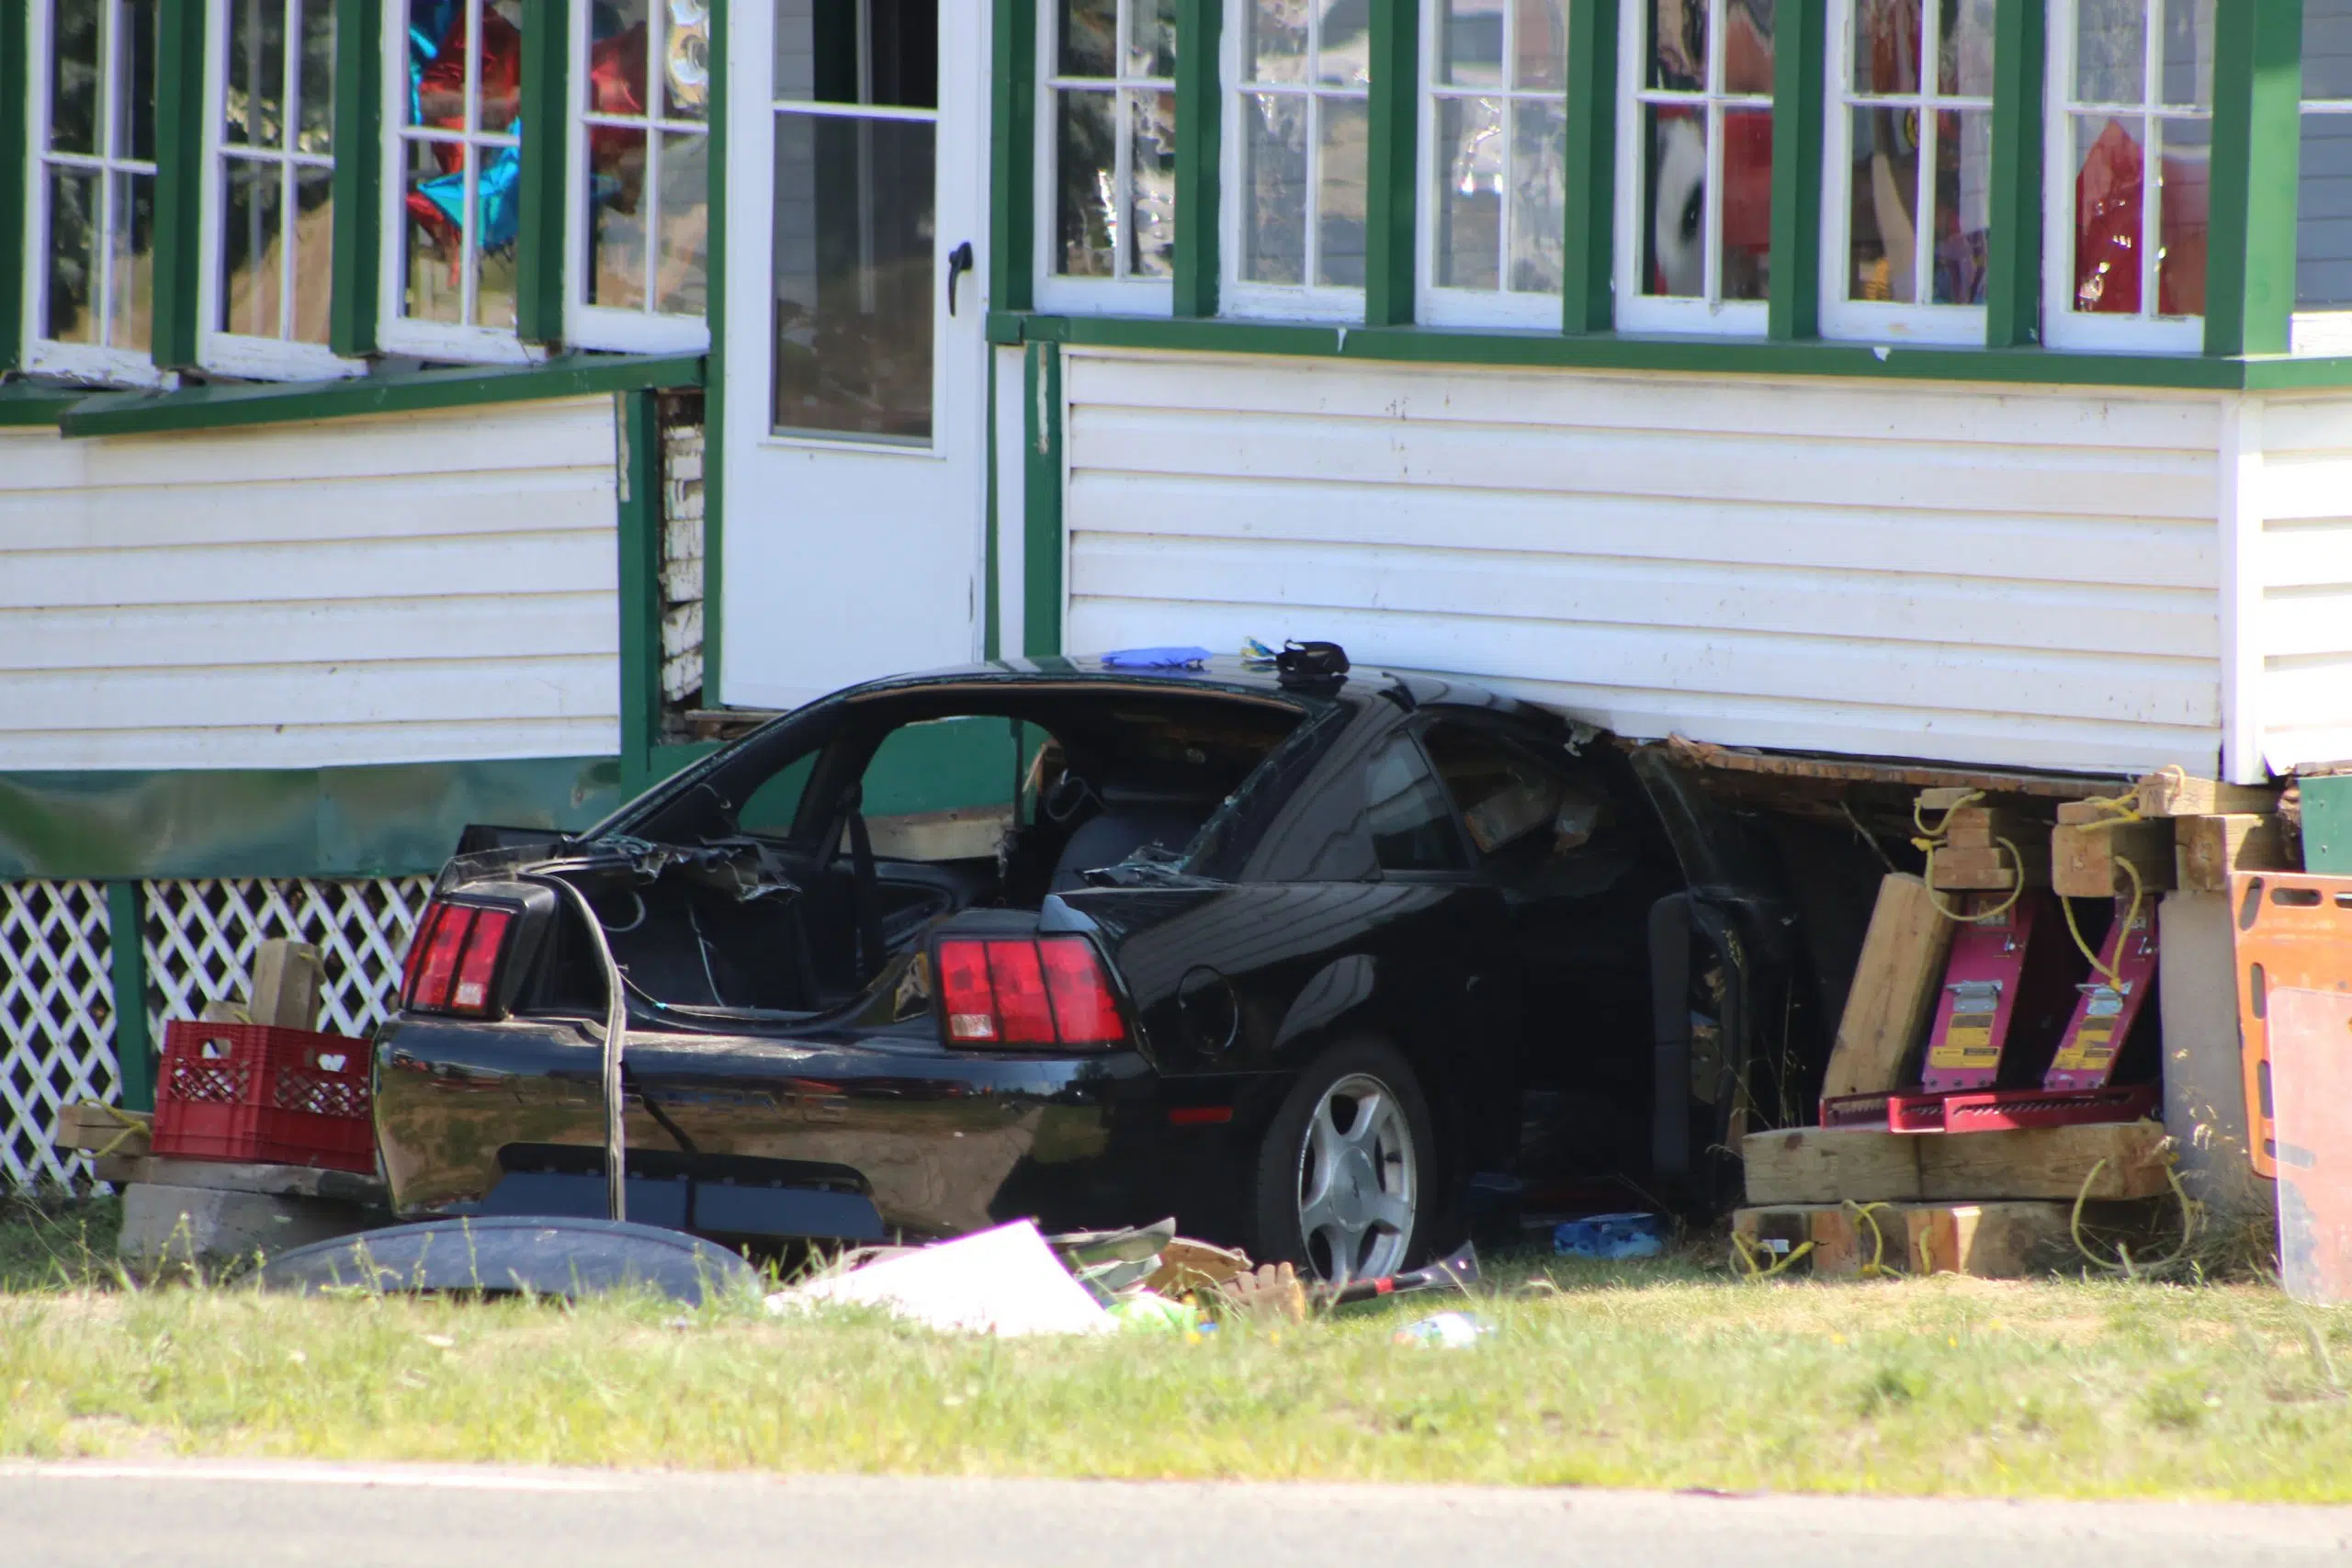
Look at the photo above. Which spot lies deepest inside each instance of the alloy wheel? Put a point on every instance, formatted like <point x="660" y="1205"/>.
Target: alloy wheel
<point x="1357" y="1176"/>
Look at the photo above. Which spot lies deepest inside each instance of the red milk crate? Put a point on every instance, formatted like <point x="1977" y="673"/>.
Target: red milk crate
<point x="251" y="1091"/>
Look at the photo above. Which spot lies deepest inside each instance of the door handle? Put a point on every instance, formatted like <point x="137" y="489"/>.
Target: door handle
<point x="960" y="261"/>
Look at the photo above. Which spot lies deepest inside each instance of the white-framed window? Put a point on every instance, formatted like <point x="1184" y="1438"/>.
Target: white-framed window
<point x="2322" y="321"/>
<point x="1694" y="166"/>
<point x="1106" y="154"/>
<point x="1297" y="155"/>
<point x="1907" y="195"/>
<point x="1493" y="213"/>
<point x="268" y="219"/>
<point x="2130" y="89"/>
<point x="638" y="271"/>
<point x="89" y="304"/>
<point x="453" y="186"/>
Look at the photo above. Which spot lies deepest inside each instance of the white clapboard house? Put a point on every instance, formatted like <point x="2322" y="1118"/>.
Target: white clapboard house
<point x="422" y="412"/>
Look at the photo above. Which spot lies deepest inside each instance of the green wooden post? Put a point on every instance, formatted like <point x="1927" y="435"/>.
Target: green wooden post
<point x="1200" y="122"/>
<point x="2257" y="145"/>
<point x="1013" y="113"/>
<point x="541" y="238"/>
<point x="180" y="182"/>
<point x="134" y="1051"/>
<point x="639" y="586"/>
<point x="1793" y="310"/>
<point x="1391" y="177"/>
<point x="1041" y="562"/>
<point x="1587" y="281"/>
<point x="714" y="399"/>
<point x="15" y="205"/>
<point x="359" y="175"/>
<point x="2013" y="242"/>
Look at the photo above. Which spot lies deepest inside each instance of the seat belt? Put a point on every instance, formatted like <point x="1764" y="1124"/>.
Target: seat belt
<point x="868" y="895"/>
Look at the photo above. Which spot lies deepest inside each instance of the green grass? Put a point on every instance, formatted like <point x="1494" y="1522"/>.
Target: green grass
<point x="1665" y="1375"/>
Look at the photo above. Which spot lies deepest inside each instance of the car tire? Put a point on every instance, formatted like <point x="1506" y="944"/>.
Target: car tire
<point x="1355" y="1190"/>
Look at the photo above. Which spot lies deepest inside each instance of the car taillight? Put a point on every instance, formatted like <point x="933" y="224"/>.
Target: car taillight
<point x="453" y="962"/>
<point x="1048" y="992"/>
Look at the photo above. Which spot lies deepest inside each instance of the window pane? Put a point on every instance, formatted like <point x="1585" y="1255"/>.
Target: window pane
<point x="1882" y="260"/>
<point x="134" y="107"/>
<point x="313" y="253"/>
<point x="1276" y="47"/>
<point x="2327" y="49"/>
<point x="1151" y="39"/>
<point x="884" y="52"/>
<point x="2107" y="215"/>
<point x="1273" y="181"/>
<point x="1747" y="204"/>
<point x="617" y="40"/>
<point x="1343" y="43"/>
<point x="2189" y="52"/>
<point x="432" y="218"/>
<point x="2184" y="173"/>
<point x="1678" y="35"/>
<point x="1339" y="200"/>
<point x="1538" y="195"/>
<point x="1964" y="58"/>
<point x="685" y="60"/>
<point x="73" y="76"/>
<point x="2111" y="51"/>
<point x="1469" y="193"/>
<point x="501" y="70"/>
<point x="131" y="290"/>
<point x="72" y="256"/>
<point x="1747" y="46"/>
<point x="1538" y="46"/>
<point x="1886" y="46"/>
<point x="2324" y="215"/>
<point x="1085" y="165"/>
<point x="681" y="262"/>
<point x="1089" y="42"/>
<point x="1674" y="225"/>
<point x="1470" y="43"/>
<point x="495" y="281"/>
<point x="1152" y="159"/>
<point x="1964" y="206"/>
<point x="253" y="100"/>
<point x="314" y="125"/>
<point x="616" y="197"/>
<point x="1412" y="825"/>
<point x="854" y="281"/>
<point x="251" y="281"/>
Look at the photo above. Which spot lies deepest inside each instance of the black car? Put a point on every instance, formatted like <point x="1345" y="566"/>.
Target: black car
<point x="1288" y="955"/>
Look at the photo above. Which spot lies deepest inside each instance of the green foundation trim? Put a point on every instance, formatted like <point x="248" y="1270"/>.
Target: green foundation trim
<point x="2257" y="147"/>
<point x="1041" y="558"/>
<point x="1588" y="300"/>
<point x="1794" y="312"/>
<point x="638" y="417"/>
<point x="134" y="1051"/>
<point x="1392" y="179"/>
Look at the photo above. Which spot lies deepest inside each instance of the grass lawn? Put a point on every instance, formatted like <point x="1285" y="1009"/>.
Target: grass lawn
<point x="1671" y="1374"/>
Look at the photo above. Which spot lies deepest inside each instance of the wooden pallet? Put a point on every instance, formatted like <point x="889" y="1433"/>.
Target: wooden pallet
<point x="1833" y="1165"/>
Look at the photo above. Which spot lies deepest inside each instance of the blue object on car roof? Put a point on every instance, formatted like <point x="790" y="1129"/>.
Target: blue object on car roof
<point x="1155" y="659"/>
<point x="1611" y="1236"/>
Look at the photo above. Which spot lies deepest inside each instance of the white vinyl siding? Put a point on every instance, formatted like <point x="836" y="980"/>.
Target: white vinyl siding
<point x="416" y="588"/>
<point x="2304" y="622"/>
<point x="2012" y="576"/>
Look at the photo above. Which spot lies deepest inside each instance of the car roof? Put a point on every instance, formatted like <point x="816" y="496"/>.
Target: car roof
<point x="1223" y="673"/>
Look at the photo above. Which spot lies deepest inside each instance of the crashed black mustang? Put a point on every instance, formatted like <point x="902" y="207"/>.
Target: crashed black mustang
<point x="1286" y="955"/>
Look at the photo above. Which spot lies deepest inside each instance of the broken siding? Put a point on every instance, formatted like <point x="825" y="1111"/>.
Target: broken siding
<point x="2304" y="702"/>
<point x="425" y="587"/>
<point x="2006" y="577"/>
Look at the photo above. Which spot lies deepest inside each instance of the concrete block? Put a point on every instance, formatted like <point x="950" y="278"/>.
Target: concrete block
<point x="2204" y="1072"/>
<point x="165" y="1226"/>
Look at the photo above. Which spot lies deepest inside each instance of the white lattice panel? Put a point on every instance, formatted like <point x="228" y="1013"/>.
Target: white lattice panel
<point x="201" y="937"/>
<point x="56" y="1020"/>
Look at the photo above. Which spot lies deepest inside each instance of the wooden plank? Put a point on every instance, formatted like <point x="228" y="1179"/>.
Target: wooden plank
<point x="1988" y="1241"/>
<point x="2050" y="1162"/>
<point x="87" y="1124"/>
<point x="2088" y="861"/>
<point x="2207" y="849"/>
<point x="2171" y="792"/>
<point x="1984" y="827"/>
<point x="1827" y="1165"/>
<point x="285" y="984"/>
<point x="1993" y="870"/>
<point x="1893" y="990"/>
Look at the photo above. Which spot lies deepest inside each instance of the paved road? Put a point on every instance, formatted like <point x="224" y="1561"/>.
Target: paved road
<point x="202" y="1515"/>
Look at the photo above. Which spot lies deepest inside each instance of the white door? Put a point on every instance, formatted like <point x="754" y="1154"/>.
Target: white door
<point x="855" y="365"/>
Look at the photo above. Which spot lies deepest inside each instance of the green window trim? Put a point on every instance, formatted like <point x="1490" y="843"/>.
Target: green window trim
<point x="179" y="181"/>
<point x="714" y="409"/>
<point x="2013" y="242"/>
<point x="2257" y="154"/>
<point x="1800" y="34"/>
<point x="1587" y="290"/>
<point x="16" y="152"/>
<point x="547" y="108"/>
<point x="1200" y="137"/>
<point x="1392" y="177"/>
<point x="358" y="176"/>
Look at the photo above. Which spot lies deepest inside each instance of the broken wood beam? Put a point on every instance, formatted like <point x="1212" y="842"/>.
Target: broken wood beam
<point x="286" y="985"/>
<point x="2207" y="849"/>
<point x="1895" y="986"/>
<point x="2088" y="860"/>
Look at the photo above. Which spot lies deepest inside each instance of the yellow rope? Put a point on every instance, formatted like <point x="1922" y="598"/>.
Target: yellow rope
<point x="1743" y="1256"/>
<point x="1944" y="826"/>
<point x="1928" y="874"/>
<point x="2121" y="1263"/>
<point x="130" y="1124"/>
<point x="2114" y="977"/>
<point x="1868" y="1213"/>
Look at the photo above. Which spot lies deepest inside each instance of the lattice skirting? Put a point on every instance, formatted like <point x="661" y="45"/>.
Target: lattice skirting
<point x="57" y="1001"/>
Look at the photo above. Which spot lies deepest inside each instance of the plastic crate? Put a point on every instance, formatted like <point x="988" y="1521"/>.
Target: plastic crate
<point x="270" y="1096"/>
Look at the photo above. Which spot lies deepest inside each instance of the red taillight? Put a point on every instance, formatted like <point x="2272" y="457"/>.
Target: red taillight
<point x="1052" y="992"/>
<point x="453" y="961"/>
